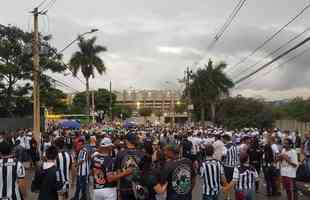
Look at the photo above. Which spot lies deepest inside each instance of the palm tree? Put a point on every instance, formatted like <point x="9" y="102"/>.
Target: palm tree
<point x="208" y="86"/>
<point x="87" y="60"/>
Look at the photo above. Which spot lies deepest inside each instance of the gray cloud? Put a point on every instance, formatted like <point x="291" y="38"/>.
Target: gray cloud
<point x="134" y="30"/>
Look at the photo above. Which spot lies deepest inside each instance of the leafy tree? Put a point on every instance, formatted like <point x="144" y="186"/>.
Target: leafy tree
<point x="120" y="110"/>
<point x="87" y="60"/>
<point x="180" y="107"/>
<point x="102" y="101"/>
<point x="159" y="114"/>
<point x="296" y="109"/>
<point x="16" y="67"/>
<point x="208" y="85"/>
<point x="54" y="99"/>
<point x="240" y="112"/>
<point x="145" y="112"/>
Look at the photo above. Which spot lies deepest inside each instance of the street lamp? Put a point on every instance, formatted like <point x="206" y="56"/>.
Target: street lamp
<point x="78" y="37"/>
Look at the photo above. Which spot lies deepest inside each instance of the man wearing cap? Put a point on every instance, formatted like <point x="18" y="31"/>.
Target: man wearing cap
<point x="179" y="174"/>
<point x="130" y="158"/>
<point x="105" y="177"/>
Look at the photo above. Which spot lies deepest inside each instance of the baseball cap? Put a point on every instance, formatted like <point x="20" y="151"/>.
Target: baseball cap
<point x="172" y="147"/>
<point x="106" y="142"/>
<point x="131" y="137"/>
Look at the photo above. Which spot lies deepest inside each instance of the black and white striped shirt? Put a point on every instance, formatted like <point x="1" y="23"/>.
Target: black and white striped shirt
<point x="83" y="169"/>
<point x="10" y="171"/>
<point x="245" y="177"/>
<point x="231" y="155"/>
<point x="211" y="172"/>
<point x="63" y="163"/>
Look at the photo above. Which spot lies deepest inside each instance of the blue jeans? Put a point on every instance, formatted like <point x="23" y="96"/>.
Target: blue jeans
<point x="81" y="186"/>
<point x="210" y="197"/>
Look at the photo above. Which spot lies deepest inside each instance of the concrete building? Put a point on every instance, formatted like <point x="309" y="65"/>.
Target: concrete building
<point x="157" y="100"/>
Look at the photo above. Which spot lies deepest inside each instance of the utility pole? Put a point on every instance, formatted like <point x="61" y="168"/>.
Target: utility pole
<point x="188" y="73"/>
<point x="173" y="108"/>
<point x="93" y="105"/>
<point x="36" y="77"/>
<point x="110" y="105"/>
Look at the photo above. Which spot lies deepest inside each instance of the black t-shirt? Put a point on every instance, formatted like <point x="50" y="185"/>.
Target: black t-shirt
<point x="187" y="148"/>
<point x="102" y="166"/>
<point x="298" y="142"/>
<point x="128" y="158"/>
<point x="143" y="187"/>
<point x="49" y="183"/>
<point x="255" y="155"/>
<point x="179" y="175"/>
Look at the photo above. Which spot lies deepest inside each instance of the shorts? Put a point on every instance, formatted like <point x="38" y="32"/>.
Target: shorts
<point x="105" y="193"/>
<point x="229" y="172"/>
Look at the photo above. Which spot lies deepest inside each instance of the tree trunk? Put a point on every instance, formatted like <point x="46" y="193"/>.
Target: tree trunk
<point x="202" y="115"/>
<point x="87" y="97"/>
<point x="212" y="106"/>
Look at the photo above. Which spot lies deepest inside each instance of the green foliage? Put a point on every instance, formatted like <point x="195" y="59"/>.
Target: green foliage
<point x="102" y="101"/>
<point x="145" y="112"/>
<point x="87" y="60"/>
<point x="16" y="69"/>
<point x="158" y="113"/>
<point x="54" y="99"/>
<point x="180" y="108"/>
<point x="124" y="111"/>
<point x="208" y="85"/>
<point x="296" y="109"/>
<point x="240" y="112"/>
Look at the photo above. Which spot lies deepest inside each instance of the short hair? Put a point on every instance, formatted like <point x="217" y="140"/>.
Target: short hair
<point x="209" y="150"/>
<point x="226" y="137"/>
<point x="60" y="143"/>
<point x="51" y="153"/>
<point x="290" y="142"/>
<point x="5" y="148"/>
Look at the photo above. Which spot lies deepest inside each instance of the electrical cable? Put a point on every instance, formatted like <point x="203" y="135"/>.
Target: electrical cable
<point x="41" y="4"/>
<point x="274" y="52"/>
<point x="224" y="27"/>
<point x="227" y="23"/>
<point x="49" y="6"/>
<point x="272" y="61"/>
<point x="280" y="65"/>
<point x="271" y="37"/>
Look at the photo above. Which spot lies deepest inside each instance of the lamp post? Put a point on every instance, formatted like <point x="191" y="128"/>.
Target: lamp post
<point x="36" y="73"/>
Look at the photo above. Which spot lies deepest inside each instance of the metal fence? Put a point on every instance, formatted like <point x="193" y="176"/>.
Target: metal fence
<point x="301" y="127"/>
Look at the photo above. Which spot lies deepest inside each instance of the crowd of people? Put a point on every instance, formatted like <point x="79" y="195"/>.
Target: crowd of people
<point x="150" y="163"/>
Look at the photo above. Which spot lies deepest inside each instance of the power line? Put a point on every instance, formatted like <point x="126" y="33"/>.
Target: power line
<point x="60" y="82"/>
<point x="275" y="51"/>
<point x="41" y="4"/>
<point x="227" y="23"/>
<point x="225" y="26"/>
<point x="271" y="37"/>
<point x="272" y="61"/>
<point x="280" y="65"/>
<point x="48" y="6"/>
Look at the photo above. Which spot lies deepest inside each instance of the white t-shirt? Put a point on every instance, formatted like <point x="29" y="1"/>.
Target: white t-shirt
<point x="219" y="148"/>
<point x="287" y="169"/>
<point x="196" y="145"/>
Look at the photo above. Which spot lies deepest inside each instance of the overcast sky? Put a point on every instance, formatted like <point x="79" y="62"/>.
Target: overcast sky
<point x="151" y="42"/>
